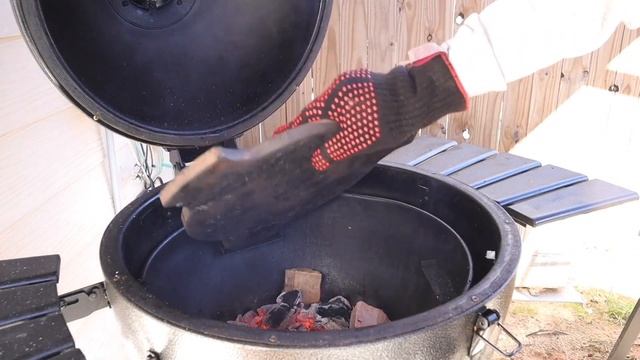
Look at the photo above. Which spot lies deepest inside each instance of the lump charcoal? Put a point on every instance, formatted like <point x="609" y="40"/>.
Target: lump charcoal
<point x="271" y="316"/>
<point x="292" y="298"/>
<point x="337" y="307"/>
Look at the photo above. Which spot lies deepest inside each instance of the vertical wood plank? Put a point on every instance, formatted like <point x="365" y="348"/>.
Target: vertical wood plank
<point x="574" y="75"/>
<point x="327" y="65"/>
<point x="382" y="36"/>
<point x="300" y="98"/>
<point x="440" y="17"/>
<point x="440" y="20"/>
<point x="438" y="28"/>
<point x="411" y="30"/>
<point x="515" y="113"/>
<point x="544" y="94"/>
<point x="412" y="22"/>
<point x="419" y="22"/>
<point x="412" y="27"/>
<point x="480" y="125"/>
<point x="628" y="84"/>
<point x="353" y="34"/>
<point x="250" y="138"/>
<point x="422" y="21"/>
<point x="278" y="118"/>
<point x="600" y="76"/>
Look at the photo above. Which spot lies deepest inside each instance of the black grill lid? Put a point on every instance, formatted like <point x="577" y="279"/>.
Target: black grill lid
<point x="177" y="73"/>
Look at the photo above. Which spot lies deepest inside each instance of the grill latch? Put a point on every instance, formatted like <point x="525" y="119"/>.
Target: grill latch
<point x="487" y="320"/>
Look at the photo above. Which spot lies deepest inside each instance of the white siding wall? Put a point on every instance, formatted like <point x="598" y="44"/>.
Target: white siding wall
<point x="54" y="183"/>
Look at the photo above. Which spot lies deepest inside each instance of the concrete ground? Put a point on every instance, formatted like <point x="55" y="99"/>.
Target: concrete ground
<point x="562" y="331"/>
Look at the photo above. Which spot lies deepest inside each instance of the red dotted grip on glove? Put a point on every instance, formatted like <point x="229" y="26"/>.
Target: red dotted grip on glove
<point x="407" y="97"/>
<point x="351" y="102"/>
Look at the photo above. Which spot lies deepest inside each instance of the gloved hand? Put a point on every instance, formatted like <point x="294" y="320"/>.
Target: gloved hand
<point x="244" y="197"/>
<point x="378" y="113"/>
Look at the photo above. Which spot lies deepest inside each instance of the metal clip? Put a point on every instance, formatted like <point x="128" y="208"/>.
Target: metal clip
<point x="485" y="321"/>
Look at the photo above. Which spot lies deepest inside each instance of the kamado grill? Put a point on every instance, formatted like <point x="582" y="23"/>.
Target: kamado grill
<point x="436" y="254"/>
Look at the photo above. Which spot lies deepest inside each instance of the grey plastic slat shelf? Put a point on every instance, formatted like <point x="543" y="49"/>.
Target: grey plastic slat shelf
<point x="39" y="338"/>
<point x="532" y="194"/>
<point x="531" y="183"/>
<point x="455" y="159"/>
<point x="73" y="354"/>
<point x="31" y="323"/>
<point x="26" y="302"/>
<point x="494" y="169"/>
<point x="32" y="270"/>
<point x="566" y="202"/>
<point x="421" y="149"/>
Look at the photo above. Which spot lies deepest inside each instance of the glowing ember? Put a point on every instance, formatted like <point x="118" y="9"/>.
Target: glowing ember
<point x="290" y="313"/>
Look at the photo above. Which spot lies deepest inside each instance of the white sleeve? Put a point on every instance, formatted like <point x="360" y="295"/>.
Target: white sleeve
<point x="511" y="39"/>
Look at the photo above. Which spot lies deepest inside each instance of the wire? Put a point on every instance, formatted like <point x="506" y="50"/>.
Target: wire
<point x="148" y="168"/>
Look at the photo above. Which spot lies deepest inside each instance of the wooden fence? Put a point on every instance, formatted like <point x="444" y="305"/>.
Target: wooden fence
<point x="378" y="33"/>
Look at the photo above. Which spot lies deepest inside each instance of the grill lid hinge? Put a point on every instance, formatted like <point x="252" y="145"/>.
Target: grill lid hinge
<point x="83" y="302"/>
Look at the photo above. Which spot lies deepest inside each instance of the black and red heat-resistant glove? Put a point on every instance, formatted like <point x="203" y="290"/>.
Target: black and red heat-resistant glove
<point x="378" y="113"/>
<point x="244" y="197"/>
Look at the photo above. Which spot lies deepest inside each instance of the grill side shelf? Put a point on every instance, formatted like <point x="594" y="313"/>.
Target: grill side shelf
<point x="532" y="194"/>
<point x="32" y="325"/>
